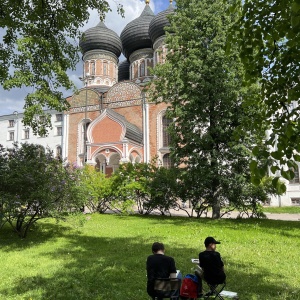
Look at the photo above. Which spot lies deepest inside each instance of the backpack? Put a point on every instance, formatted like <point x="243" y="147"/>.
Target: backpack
<point x="189" y="286"/>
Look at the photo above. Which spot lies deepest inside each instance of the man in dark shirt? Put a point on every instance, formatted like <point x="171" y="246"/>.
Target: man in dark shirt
<point x="159" y="266"/>
<point x="211" y="262"/>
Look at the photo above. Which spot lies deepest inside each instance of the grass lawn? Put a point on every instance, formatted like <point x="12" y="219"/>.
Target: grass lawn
<point x="282" y="210"/>
<point x="105" y="258"/>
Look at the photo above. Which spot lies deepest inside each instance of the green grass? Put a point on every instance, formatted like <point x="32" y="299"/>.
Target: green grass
<point x="282" y="210"/>
<point x="105" y="259"/>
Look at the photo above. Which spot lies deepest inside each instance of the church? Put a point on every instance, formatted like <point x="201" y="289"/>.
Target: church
<point x="112" y="120"/>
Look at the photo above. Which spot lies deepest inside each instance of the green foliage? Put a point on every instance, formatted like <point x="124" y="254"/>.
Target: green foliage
<point x="268" y="35"/>
<point x="130" y="183"/>
<point x="204" y="87"/>
<point x="39" y="45"/>
<point x="141" y="186"/>
<point x="96" y="188"/>
<point x="34" y="185"/>
<point x="251" y="200"/>
<point x="149" y="187"/>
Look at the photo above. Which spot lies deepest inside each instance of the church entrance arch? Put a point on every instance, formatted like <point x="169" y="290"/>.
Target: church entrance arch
<point x="107" y="162"/>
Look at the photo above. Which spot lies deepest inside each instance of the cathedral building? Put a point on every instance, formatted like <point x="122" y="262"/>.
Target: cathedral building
<point x="111" y="120"/>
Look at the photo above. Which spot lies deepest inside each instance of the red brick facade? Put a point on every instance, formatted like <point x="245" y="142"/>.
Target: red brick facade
<point x="109" y="118"/>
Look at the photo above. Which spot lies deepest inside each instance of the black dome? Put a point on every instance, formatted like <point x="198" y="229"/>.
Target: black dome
<point x="159" y="22"/>
<point x="135" y="35"/>
<point x="102" y="38"/>
<point x="123" y="68"/>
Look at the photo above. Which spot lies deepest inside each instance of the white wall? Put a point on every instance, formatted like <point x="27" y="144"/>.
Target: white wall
<point x="52" y="140"/>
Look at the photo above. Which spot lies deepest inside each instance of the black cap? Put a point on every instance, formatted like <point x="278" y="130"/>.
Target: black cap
<point x="210" y="240"/>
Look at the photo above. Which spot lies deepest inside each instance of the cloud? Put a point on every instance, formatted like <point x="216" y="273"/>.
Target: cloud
<point x="12" y="100"/>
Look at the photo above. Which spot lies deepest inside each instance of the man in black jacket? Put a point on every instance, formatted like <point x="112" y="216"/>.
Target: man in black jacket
<point x="159" y="265"/>
<point x="211" y="262"/>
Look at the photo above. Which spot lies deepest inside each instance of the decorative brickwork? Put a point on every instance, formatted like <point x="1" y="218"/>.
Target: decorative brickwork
<point x="100" y="54"/>
<point x="123" y="91"/>
<point x="83" y="97"/>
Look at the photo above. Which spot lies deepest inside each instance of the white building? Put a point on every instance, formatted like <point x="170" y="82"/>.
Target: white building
<point x="292" y="195"/>
<point x="13" y="130"/>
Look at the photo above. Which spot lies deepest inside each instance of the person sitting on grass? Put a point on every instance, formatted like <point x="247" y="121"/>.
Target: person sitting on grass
<point x="158" y="265"/>
<point x="211" y="262"/>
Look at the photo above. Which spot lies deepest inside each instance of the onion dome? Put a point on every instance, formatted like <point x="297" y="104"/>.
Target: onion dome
<point x="159" y="22"/>
<point x="123" y="68"/>
<point x="101" y="38"/>
<point x="135" y="35"/>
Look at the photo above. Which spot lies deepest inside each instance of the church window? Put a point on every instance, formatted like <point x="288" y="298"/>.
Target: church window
<point x="167" y="162"/>
<point x="166" y="138"/>
<point x="105" y="68"/>
<point x="93" y="67"/>
<point x="142" y="68"/>
<point x="86" y="67"/>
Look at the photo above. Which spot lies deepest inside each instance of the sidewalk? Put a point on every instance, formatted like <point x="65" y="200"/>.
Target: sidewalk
<point x="234" y="215"/>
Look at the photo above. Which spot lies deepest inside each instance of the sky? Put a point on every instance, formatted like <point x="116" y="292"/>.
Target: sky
<point x="13" y="100"/>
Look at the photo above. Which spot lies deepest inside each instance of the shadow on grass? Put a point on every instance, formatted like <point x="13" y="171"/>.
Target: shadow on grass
<point x="40" y="233"/>
<point x="114" y="268"/>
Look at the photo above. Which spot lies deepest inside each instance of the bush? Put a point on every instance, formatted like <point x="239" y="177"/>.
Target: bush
<point x="35" y="185"/>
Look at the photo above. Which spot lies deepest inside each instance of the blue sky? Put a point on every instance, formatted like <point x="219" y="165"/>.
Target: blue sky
<point x="160" y="5"/>
<point x="13" y="100"/>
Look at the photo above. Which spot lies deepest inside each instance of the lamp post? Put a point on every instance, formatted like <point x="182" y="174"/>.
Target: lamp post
<point x="17" y="122"/>
<point x="85" y="80"/>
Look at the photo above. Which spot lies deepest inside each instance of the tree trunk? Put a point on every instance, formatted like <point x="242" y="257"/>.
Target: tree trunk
<point x="216" y="210"/>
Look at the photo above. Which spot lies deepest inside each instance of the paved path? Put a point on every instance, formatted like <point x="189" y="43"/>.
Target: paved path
<point x="284" y="217"/>
<point x="233" y="215"/>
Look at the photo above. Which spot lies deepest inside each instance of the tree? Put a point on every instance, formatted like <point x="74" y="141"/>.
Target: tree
<point x="130" y="186"/>
<point x="97" y="189"/>
<point x="35" y="185"/>
<point x="252" y="198"/>
<point x="268" y="33"/>
<point x="39" y="46"/>
<point x="204" y="88"/>
<point x="146" y="186"/>
<point x="163" y="190"/>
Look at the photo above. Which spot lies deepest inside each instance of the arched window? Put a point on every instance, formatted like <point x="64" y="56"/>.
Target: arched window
<point x="86" y="67"/>
<point x="142" y="68"/>
<point x="157" y="56"/>
<point x="105" y="68"/>
<point x="58" y="152"/>
<point x="93" y="67"/>
<point x="167" y="162"/>
<point x="166" y="138"/>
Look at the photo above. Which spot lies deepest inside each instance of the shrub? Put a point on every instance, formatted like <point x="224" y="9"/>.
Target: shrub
<point x="35" y="185"/>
